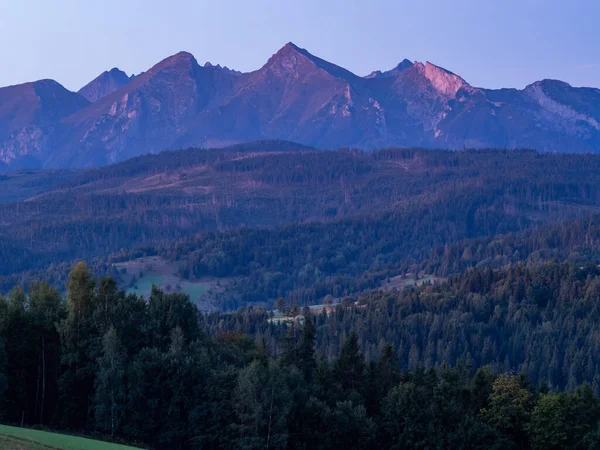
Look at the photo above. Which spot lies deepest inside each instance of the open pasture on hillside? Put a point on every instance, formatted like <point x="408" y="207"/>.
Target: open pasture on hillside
<point x="15" y="438"/>
<point x="409" y="280"/>
<point x="137" y="276"/>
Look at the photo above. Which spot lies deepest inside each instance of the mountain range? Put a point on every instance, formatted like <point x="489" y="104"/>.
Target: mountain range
<point x="295" y="96"/>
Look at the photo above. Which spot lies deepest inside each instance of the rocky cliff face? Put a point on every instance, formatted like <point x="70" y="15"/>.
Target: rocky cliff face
<point x="295" y="96"/>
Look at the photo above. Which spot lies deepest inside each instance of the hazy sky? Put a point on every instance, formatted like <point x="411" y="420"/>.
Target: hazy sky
<point x="490" y="43"/>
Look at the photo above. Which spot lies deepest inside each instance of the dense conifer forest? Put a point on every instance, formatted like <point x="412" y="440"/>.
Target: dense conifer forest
<point x="440" y="196"/>
<point x="457" y="365"/>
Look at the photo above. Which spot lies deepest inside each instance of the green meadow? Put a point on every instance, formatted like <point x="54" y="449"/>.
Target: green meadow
<point x="15" y="438"/>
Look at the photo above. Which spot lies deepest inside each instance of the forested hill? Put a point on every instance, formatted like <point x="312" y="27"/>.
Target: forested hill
<point x="323" y="216"/>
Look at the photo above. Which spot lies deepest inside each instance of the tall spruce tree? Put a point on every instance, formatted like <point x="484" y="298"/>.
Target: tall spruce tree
<point x="78" y="337"/>
<point x="306" y="352"/>
<point x="349" y="368"/>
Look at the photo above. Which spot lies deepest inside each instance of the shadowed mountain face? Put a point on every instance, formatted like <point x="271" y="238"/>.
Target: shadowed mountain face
<point x="295" y="96"/>
<point x="30" y="114"/>
<point x="106" y="83"/>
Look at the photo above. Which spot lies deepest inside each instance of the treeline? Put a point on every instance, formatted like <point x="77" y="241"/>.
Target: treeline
<point x="174" y="159"/>
<point x="102" y="361"/>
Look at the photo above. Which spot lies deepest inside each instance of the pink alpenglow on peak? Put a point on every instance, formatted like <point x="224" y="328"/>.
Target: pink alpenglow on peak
<point x="444" y="81"/>
<point x="295" y="96"/>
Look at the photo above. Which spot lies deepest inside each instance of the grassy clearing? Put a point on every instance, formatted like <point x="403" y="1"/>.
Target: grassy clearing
<point x="143" y="285"/>
<point x="137" y="276"/>
<point x="194" y="290"/>
<point x="28" y="439"/>
<point x="409" y="280"/>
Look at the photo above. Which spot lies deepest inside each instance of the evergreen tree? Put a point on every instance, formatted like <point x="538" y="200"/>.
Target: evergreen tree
<point x="306" y="353"/>
<point x="348" y="427"/>
<point x="406" y="417"/>
<point x="179" y="388"/>
<point x="382" y="376"/>
<point x="77" y="336"/>
<point x="349" y="368"/>
<point x="166" y="311"/>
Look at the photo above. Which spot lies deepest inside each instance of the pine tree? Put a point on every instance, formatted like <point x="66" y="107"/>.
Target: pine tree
<point x="306" y="353"/>
<point x="349" y="368"/>
<point x="383" y="376"/>
<point x="77" y="338"/>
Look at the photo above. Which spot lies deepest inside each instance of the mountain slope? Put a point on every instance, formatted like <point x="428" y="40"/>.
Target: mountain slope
<point x="37" y="103"/>
<point x="106" y="83"/>
<point x="146" y="115"/>
<point x="295" y="96"/>
<point x="548" y="115"/>
<point x="26" y="112"/>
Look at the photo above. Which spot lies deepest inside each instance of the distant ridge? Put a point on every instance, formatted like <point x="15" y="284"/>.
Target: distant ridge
<point x="294" y="96"/>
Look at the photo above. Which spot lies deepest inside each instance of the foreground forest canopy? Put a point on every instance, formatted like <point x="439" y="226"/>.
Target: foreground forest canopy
<point x="158" y="372"/>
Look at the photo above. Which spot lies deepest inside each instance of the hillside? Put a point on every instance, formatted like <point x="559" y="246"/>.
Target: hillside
<point x="275" y="218"/>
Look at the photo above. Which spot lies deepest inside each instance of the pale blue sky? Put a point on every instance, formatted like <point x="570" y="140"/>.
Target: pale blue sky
<point x="490" y="43"/>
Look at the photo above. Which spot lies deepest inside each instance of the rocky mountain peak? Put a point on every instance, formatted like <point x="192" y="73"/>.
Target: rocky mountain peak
<point x="295" y="96"/>
<point x="180" y="59"/>
<point x="291" y="59"/>
<point x="106" y="83"/>
<point x="446" y="83"/>
<point x="209" y="65"/>
<point x="401" y="66"/>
